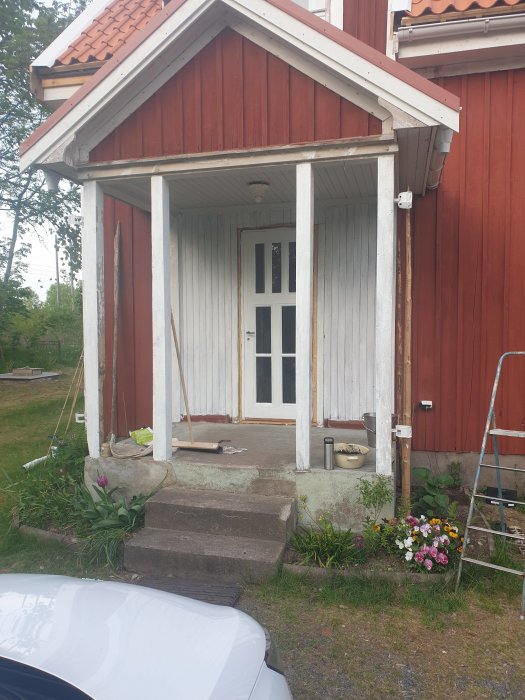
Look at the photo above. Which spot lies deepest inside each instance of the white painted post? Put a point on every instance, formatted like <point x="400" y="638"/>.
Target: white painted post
<point x="93" y="310"/>
<point x="175" y="303"/>
<point x="303" y="333"/>
<point x="385" y="313"/>
<point x="161" y="312"/>
<point x="336" y="12"/>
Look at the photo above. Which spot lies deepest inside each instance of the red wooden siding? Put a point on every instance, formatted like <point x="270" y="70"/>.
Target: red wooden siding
<point x="469" y="263"/>
<point x="367" y="21"/>
<point x="134" y="363"/>
<point x="234" y="95"/>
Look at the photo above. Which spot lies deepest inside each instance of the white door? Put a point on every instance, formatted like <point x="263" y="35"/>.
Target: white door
<point x="268" y="327"/>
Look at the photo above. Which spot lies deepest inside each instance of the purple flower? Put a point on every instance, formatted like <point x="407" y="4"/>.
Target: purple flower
<point x="428" y="564"/>
<point x="410" y="520"/>
<point x="102" y="481"/>
<point x="359" y="541"/>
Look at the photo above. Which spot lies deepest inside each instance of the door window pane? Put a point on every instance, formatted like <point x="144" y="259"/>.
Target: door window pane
<point x="259" y="268"/>
<point x="276" y="268"/>
<point x="263" y="371"/>
<point x="291" y="266"/>
<point x="288" y="324"/>
<point x="263" y="329"/>
<point x="288" y="379"/>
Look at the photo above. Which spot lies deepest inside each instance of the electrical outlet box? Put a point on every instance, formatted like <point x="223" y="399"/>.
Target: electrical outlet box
<point x="426" y="405"/>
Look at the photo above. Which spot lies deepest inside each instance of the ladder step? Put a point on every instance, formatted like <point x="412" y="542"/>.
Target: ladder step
<point x="499" y="500"/>
<point x="521" y="538"/>
<point x="497" y="466"/>
<point x="495" y="566"/>
<point x="507" y="433"/>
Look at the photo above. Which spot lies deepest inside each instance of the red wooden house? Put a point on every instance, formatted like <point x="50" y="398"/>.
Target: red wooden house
<point x="172" y="116"/>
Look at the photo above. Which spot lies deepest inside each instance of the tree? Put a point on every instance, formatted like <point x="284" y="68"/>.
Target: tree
<point x="26" y="28"/>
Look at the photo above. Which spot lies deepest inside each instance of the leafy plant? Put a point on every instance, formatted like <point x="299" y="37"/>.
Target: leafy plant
<point x="431" y="497"/>
<point x="325" y="545"/>
<point x="454" y="471"/>
<point x="374" y="495"/>
<point x="107" y="513"/>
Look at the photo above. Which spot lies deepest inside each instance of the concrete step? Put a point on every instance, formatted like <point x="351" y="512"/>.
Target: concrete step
<point x="222" y="513"/>
<point x="206" y="556"/>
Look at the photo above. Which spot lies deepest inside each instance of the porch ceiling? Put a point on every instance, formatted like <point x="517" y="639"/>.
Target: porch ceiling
<point x="337" y="181"/>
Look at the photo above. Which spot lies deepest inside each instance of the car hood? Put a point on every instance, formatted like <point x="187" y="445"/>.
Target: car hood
<point x="115" y="640"/>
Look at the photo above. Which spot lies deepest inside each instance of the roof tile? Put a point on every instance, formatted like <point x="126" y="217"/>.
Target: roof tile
<point x="438" y="7"/>
<point x="112" y="28"/>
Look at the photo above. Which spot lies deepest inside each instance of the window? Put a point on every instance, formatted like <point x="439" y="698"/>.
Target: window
<point x="20" y="681"/>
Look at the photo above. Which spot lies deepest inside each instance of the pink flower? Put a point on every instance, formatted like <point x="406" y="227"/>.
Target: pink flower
<point x="442" y="559"/>
<point x="419" y="557"/>
<point x="433" y="552"/>
<point x="102" y="481"/>
<point x="410" y="520"/>
<point x="428" y="564"/>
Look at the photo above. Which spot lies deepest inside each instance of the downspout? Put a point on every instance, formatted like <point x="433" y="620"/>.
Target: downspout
<point x="437" y="159"/>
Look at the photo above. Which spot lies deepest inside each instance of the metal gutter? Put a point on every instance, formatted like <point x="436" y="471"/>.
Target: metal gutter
<point x="460" y="28"/>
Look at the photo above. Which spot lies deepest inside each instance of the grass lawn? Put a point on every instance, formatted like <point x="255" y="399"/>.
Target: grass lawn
<point x="339" y="639"/>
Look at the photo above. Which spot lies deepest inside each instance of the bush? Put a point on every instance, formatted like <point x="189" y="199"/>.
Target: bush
<point x="430" y="494"/>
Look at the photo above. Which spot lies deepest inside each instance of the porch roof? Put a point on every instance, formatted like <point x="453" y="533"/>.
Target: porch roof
<point x="395" y="94"/>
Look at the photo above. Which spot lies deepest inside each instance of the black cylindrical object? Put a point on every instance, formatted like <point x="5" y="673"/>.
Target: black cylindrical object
<point x="329" y="453"/>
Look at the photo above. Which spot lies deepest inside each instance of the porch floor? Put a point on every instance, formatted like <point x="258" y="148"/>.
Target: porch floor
<point x="267" y="446"/>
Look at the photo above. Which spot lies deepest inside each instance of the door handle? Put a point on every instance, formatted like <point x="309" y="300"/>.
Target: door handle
<point x="250" y="332"/>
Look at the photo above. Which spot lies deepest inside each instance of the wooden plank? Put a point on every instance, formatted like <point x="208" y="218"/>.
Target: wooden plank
<point x="302" y="105"/>
<point x="93" y="310"/>
<point x="233" y="89"/>
<point x="327" y="114"/>
<point x="197" y="446"/>
<point x="278" y="101"/>
<point x="255" y="97"/>
<point x="304" y="253"/>
<point x="161" y="313"/>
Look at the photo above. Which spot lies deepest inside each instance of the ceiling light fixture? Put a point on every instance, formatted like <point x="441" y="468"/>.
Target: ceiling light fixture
<point x="258" y="190"/>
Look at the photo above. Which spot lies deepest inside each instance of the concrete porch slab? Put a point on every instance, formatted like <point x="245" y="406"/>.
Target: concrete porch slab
<point x="267" y="467"/>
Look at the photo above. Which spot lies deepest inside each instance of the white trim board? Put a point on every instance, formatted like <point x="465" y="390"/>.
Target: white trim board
<point x="131" y="79"/>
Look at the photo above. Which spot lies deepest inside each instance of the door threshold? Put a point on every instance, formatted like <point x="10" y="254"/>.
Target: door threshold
<point x="267" y="421"/>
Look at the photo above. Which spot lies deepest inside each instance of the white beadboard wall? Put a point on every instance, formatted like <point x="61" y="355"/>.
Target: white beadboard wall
<point x="207" y="251"/>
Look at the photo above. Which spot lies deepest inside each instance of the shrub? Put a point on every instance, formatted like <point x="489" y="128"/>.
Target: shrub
<point x="374" y="495"/>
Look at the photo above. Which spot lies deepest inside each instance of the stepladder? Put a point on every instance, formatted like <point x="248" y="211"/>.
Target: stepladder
<point x="493" y="434"/>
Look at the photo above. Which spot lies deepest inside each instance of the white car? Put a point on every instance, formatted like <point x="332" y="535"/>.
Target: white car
<point x="69" y="638"/>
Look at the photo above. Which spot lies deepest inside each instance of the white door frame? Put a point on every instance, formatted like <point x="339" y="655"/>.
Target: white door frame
<point x="250" y="300"/>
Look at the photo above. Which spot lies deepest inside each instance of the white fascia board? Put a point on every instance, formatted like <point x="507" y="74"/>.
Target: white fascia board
<point x="48" y="57"/>
<point x="314" y="46"/>
<point x="449" y="44"/>
<point x="118" y="80"/>
<point x="349" y="65"/>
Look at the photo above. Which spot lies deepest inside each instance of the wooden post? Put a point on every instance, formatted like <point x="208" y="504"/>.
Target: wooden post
<point x="407" y="362"/>
<point x="93" y="311"/>
<point x="385" y="310"/>
<point x="161" y="314"/>
<point x="304" y="264"/>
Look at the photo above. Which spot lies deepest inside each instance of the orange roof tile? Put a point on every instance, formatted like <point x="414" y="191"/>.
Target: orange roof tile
<point x="438" y="7"/>
<point x="110" y="30"/>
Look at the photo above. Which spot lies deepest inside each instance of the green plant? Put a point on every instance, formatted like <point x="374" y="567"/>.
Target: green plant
<point x="431" y="499"/>
<point x="106" y="512"/>
<point x="454" y="471"/>
<point x="44" y="494"/>
<point x="374" y="495"/>
<point x="325" y="545"/>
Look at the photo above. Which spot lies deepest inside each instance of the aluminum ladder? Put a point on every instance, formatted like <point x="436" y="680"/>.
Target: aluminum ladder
<point x="495" y="433"/>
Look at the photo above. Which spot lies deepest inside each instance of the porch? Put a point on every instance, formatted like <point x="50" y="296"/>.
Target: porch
<point x="266" y="467"/>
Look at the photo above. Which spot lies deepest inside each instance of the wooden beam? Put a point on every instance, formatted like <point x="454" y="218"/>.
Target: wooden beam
<point x="304" y="264"/>
<point x="161" y="314"/>
<point x="385" y="290"/>
<point x="93" y="311"/>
